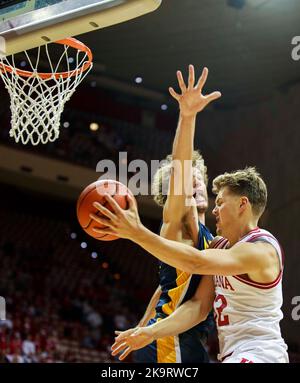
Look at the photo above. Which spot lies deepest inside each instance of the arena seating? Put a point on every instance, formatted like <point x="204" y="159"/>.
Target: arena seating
<point x="54" y="291"/>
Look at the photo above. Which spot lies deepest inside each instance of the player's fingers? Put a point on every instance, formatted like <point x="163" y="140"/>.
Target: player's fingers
<point x="174" y="94"/>
<point x="123" y="334"/>
<point x="119" y="347"/>
<point x="181" y="82"/>
<point x="102" y="220"/>
<point x="117" y="209"/>
<point x="117" y="344"/>
<point x="212" y="96"/>
<point x="103" y="231"/>
<point x="191" y="77"/>
<point x="125" y="353"/>
<point x="116" y="352"/>
<point x="104" y="211"/>
<point x="114" y="346"/>
<point x="202" y="79"/>
<point x="131" y="203"/>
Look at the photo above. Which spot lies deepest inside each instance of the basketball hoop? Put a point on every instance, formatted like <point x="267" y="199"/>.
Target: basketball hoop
<point x="38" y="98"/>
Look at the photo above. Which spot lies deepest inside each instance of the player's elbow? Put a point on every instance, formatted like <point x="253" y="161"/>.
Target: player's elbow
<point x="172" y="216"/>
<point x="190" y="265"/>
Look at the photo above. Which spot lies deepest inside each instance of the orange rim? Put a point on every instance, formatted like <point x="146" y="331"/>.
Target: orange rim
<point x="69" y="41"/>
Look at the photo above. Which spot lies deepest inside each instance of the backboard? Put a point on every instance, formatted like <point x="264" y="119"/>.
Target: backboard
<point x="26" y="24"/>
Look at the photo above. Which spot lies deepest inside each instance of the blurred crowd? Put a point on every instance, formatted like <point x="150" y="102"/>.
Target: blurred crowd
<point x="41" y="317"/>
<point x="61" y="305"/>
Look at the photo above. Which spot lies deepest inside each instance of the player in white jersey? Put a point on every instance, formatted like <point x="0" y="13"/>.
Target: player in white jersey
<point x="248" y="313"/>
<point x="247" y="296"/>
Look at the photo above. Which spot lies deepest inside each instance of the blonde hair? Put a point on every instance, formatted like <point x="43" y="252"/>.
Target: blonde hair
<point x="162" y="176"/>
<point x="247" y="182"/>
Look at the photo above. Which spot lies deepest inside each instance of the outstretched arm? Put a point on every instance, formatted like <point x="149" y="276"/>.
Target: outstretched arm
<point x="186" y="316"/>
<point x="241" y="258"/>
<point x="191" y="101"/>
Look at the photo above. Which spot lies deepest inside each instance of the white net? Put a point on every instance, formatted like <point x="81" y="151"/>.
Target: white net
<point x="36" y="102"/>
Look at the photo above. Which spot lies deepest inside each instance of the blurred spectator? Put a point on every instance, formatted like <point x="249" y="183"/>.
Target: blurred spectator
<point x="28" y="348"/>
<point x="121" y="322"/>
<point x="7" y="323"/>
<point x="94" y="319"/>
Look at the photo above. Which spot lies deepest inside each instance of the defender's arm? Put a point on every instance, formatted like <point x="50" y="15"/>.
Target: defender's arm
<point x="191" y="101"/>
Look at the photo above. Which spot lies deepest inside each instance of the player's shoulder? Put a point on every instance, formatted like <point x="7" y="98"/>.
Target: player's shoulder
<point x="260" y="237"/>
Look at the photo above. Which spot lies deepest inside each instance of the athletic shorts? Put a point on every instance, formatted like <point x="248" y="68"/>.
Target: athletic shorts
<point x="257" y="355"/>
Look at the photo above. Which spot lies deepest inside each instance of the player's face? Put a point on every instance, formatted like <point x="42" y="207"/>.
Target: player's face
<point x="226" y="211"/>
<point x="199" y="190"/>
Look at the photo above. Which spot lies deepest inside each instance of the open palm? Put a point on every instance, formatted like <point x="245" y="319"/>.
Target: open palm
<point x="131" y="340"/>
<point x="191" y="100"/>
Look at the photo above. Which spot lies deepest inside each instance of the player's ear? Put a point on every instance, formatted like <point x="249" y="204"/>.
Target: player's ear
<point x="244" y="203"/>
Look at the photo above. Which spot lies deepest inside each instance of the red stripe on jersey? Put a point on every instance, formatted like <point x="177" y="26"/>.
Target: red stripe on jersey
<point x="259" y="285"/>
<point x="224" y="244"/>
<point x="217" y="244"/>
<point x="256" y="230"/>
<point x="261" y="235"/>
<point x="270" y="236"/>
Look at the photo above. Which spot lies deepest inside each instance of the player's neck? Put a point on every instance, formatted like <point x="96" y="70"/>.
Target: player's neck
<point x="241" y="230"/>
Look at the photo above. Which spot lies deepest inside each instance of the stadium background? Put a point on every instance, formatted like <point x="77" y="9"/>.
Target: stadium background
<point x="68" y="300"/>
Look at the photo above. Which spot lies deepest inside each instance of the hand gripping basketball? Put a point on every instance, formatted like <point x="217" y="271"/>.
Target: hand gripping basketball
<point x="95" y="192"/>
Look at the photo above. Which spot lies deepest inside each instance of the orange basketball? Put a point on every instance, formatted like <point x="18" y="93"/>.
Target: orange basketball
<point x="95" y="192"/>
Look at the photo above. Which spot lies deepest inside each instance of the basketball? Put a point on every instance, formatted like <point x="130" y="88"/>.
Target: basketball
<point x="95" y="192"/>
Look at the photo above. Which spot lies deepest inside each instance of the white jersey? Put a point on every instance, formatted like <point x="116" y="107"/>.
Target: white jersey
<point x="247" y="312"/>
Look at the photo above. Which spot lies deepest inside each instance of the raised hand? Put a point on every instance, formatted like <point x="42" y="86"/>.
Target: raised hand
<point x="191" y="100"/>
<point x="130" y="340"/>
